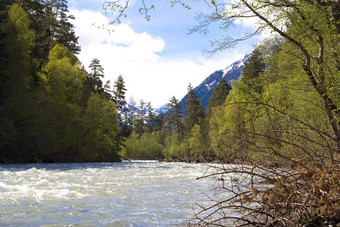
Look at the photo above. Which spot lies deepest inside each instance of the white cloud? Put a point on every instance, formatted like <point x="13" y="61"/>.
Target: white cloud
<point x="137" y="56"/>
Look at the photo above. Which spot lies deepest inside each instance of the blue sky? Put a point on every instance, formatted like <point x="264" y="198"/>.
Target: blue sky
<point x="157" y="58"/>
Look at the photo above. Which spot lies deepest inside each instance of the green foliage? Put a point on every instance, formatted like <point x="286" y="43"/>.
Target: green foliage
<point x="99" y="138"/>
<point x="194" y="109"/>
<point x="253" y="70"/>
<point x="62" y="31"/>
<point x="175" y="118"/>
<point x="219" y="95"/>
<point x="144" y="147"/>
<point x="283" y="113"/>
<point x="172" y="148"/>
<point x="195" y="141"/>
<point x="48" y="122"/>
<point x="140" y="119"/>
<point x="17" y="102"/>
<point x="74" y="133"/>
<point x="62" y="83"/>
<point x="119" y="92"/>
<point x="63" y="77"/>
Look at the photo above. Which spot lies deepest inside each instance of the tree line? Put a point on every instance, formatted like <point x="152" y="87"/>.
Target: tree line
<point x="51" y="109"/>
<point x="280" y="122"/>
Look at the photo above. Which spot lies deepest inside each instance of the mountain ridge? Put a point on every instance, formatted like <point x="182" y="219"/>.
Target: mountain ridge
<point x="205" y="89"/>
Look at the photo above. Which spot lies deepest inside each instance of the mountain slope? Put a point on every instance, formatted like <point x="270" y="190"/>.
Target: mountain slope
<point x="205" y="89"/>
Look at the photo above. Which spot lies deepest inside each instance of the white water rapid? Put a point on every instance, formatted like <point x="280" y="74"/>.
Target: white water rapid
<point x="139" y="193"/>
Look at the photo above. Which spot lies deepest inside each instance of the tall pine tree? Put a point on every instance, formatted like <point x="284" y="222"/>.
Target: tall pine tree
<point x="94" y="77"/>
<point x="140" y="119"/>
<point x="119" y="91"/>
<point x="219" y="94"/>
<point x="175" y="118"/>
<point x="62" y="30"/>
<point x="150" y="118"/>
<point x="195" y="110"/>
<point x="252" y="71"/>
<point x="118" y="97"/>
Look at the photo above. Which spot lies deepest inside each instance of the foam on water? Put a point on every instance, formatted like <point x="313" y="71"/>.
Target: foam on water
<point x="100" y="194"/>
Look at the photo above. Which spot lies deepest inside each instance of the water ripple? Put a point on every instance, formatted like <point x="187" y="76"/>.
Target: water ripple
<point x="100" y="194"/>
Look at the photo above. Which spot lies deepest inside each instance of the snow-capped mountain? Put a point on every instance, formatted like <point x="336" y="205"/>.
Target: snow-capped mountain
<point x="205" y="89"/>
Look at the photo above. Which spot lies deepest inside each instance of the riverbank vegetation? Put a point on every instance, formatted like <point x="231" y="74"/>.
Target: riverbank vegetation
<point x="280" y="121"/>
<point x="51" y="109"/>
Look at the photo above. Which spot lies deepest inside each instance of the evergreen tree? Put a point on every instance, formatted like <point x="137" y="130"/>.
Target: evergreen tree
<point x="150" y="118"/>
<point x="17" y="102"/>
<point x="107" y="89"/>
<point x="40" y="18"/>
<point x="140" y="119"/>
<point x="94" y="77"/>
<point x="159" y="122"/>
<point x="252" y="71"/>
<point x="43" y="117"/>
<point x="62" y="31"/>
<point x="219" y="94"/>
<point x="51" y="24"/>
<point x="175" y="117"/>
<point x="119" y="93"/>
<point x="217" y="99"/>
<point x="195" y="110"/>
<point x="129" y="115"/>
<point x="118" y="97"/>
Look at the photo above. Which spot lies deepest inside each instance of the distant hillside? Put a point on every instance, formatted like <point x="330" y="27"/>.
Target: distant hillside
<point x="205" y="89"/>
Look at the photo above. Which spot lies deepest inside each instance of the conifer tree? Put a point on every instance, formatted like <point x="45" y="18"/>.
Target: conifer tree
<point x="130" y="114"/>
<point x="195" y="110"/>
<point x="62" y="31"/>
<point x="252" y="71"/>
<point x="140" y="119"/>
<point x="119" y="93"/>
<point x="40" y="18"/>
<point x="159" y="122"/>
<point x="119" y="99"/>
<point x="219" y="94"/>
<point x="217" y="99"/>
<point x="94" y="77"/>
<point x="51" y="24"/>
<point x="17" y="102"/>
<point x="150" y="118"/>
<point x="175" y="117"/>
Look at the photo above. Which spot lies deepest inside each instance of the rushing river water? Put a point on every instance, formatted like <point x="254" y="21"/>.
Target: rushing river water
<point x="101" y="194"/>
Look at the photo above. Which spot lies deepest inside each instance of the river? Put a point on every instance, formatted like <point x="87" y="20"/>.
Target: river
<point x="139" y="193"/>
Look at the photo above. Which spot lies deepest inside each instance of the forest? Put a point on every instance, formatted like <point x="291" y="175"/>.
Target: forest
<point x="51" y="109"/>
<point x="280" y="120"/>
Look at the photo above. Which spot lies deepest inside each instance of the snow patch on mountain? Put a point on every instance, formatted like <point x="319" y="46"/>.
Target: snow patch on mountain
<point x="205" y="89"/>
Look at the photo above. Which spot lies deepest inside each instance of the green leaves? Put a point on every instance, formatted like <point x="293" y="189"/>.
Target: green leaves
<point x="101" y="130"/>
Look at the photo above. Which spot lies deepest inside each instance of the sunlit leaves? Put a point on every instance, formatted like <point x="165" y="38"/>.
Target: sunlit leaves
<point x="98" y="142"/>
